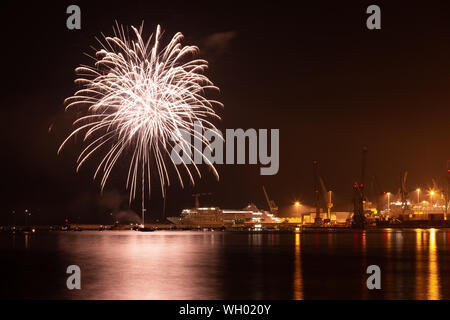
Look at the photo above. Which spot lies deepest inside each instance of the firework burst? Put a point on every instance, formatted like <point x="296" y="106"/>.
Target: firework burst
<point x="134" y="99"/>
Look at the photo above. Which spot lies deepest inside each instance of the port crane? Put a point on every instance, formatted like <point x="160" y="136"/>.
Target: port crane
<point x="380" y="201"/>
<point x="448" y="189"/>
<point x="327" y="197"/>
<point x="273" y="208"/>
<point x="359" y="219"/>
<point x="404" y="191"/>
<point x="320" y="189"/>
<point x="317" y="219"/>
<point x="197" y="196"/>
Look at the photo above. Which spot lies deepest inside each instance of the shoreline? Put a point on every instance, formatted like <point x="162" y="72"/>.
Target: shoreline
<point x="272" y="228"/>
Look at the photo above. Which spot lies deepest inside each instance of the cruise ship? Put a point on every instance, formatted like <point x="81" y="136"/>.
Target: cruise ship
<point x="216" y="217"/>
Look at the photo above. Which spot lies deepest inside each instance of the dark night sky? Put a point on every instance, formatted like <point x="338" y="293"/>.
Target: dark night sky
<point x="312" y="70"/>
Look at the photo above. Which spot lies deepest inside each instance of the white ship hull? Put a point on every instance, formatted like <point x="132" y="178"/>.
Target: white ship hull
<point x="214" y="216"/>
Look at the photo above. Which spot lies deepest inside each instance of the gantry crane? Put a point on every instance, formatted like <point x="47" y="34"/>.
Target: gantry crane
<point x="320" y="189"/>
<point x="273" y="208"/>
<point x="327" y="197"/>
<point x="404" y="191"/>
<point x="317" y="219"/>
<point x="448" y="189"/>
<point x="359" y="196"/>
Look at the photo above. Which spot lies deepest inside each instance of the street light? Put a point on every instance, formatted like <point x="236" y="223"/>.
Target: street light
<point x="418" y="195"/>
<point x="432" y="193"/>
<point x="297" y="205"/>
<point x="389" y="201"/>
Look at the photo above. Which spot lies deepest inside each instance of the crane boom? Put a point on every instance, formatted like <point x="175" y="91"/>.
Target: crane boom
<point x="359" y="197"/>
<point x="272" y="206"/>
<point x="363" y="172"/>
<point x="448" y="189"/>
<point x="324" y="190"/>
<point x="317" y="219"/>
<point x="404" y="190"/>
<point x="267" y="197"/>
<point x="327" y="197"/>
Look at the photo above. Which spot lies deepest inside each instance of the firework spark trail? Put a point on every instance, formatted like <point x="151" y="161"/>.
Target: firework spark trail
<point x="137" y="96"/>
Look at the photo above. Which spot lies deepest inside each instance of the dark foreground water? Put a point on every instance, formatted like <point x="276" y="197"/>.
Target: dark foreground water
<point x="415" y="264"/>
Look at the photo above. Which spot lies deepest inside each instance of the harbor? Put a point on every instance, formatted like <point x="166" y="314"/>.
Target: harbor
<point x="157" y="150"/>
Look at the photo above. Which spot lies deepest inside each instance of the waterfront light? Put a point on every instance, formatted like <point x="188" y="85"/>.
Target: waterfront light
<point x="297" y="205"/>
<point x="389" y="201"/>
<point x="432" y="193"/>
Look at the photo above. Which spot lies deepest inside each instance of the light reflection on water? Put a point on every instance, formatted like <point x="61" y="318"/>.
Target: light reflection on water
<point x="427" y="277"/>
<point x="298" y="281"/>
<point x="227" y="265"/>
<point x="433" y="269"/>
<point x="142" y="266"/>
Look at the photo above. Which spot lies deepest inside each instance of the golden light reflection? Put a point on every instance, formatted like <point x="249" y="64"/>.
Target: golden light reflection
<point x="27" y="241"/>
<point x="433" y="268"/>
<point x="420" y="287"/>
<point x="363" y="242"/>
<point x="298" y="279"/>
<point x="388" y="247"/>
<point x="431" y="289"/>
<point x="364" y="261"/>
<point x="398" y="243"/>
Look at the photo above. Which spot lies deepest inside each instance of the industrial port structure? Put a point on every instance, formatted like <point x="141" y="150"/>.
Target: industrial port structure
<point x="400" y="210"/>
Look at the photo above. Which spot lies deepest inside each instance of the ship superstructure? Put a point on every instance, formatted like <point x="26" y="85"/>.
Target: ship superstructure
<point x="215" y="216"/>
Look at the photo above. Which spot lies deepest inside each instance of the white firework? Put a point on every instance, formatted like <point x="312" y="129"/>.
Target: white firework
<point x="134" y="99"/>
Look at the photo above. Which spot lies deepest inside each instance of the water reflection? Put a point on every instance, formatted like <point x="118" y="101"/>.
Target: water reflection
<point x="27" y="240"/>
<point x="420" y="279"/>
<point x="433" y="269"/>
<point x="298" y="281"/>
<point x="388" y="281"/>
<point x="363" y="241"/>
<point x="141" y="266"/>
<point x="256" y="276"/>
<point x="427" y="268"/>
<point x="228" y="265"/>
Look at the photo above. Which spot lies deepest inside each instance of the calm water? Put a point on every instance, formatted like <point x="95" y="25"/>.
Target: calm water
<point x="415" y="264"/>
